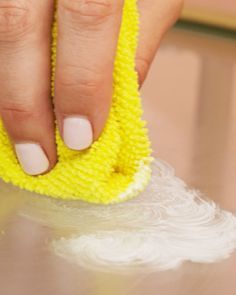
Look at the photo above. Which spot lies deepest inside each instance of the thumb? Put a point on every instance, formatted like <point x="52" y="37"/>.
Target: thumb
<point x="156" y="17"/>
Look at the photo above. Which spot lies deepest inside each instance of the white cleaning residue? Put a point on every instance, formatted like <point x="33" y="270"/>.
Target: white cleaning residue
<point x="165" y="226"/>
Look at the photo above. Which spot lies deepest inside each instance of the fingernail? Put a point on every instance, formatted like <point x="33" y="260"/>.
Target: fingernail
<point x="77" y="133"/>
<point x="32" y="158"/>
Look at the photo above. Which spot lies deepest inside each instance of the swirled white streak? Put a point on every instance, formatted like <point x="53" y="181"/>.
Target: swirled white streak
<point x="166" y="226"/>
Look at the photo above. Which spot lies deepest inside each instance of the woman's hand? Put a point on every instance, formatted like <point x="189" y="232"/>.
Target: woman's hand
<point x="87" y="39"/>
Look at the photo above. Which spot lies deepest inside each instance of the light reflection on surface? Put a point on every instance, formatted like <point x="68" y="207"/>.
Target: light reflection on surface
<point x="165" y="226"/>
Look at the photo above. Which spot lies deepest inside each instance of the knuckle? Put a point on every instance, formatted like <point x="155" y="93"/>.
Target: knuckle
<point x="84" y="81"/>
<point x="15" y="19"/>
<point x="142" y="67"/>
<point x="17" y="111"/>
<point x="88" y="12"/>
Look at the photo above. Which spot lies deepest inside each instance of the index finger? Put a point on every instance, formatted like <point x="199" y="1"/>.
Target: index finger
<point x="87" y="40"/>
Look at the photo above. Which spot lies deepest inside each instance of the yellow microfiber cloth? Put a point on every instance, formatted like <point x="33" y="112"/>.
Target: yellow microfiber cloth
<point x="117" y="166"/>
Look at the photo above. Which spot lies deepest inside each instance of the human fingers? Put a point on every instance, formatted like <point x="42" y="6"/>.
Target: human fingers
<point x="25" y="106"/>
<point x="88" y="33"/>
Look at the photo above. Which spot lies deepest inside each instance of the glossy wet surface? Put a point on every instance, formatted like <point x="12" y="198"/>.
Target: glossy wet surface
<point x="190" y="105"/>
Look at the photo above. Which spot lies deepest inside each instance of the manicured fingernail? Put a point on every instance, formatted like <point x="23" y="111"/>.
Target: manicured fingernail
<point x="32" y="158"/>
<point x="77" y="133"/>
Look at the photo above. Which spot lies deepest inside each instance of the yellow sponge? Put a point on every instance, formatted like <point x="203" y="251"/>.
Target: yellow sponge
<point x="117" y="166"/>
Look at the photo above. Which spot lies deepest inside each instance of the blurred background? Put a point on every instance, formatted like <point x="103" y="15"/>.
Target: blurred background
<point x="190" y="98"/>
<point x="190" y="105"/>
<point x="212" y="12"/>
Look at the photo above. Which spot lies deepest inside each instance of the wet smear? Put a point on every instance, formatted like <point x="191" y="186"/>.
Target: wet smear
<point x="165" y="226"/>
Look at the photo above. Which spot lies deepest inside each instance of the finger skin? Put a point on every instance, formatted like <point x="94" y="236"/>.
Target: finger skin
<point x="87" y="40"/>
<point x="25" y="104"/>
<point x="156" y="17"/>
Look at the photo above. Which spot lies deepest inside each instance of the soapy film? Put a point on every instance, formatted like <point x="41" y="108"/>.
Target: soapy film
<point x="165" y="226"/>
